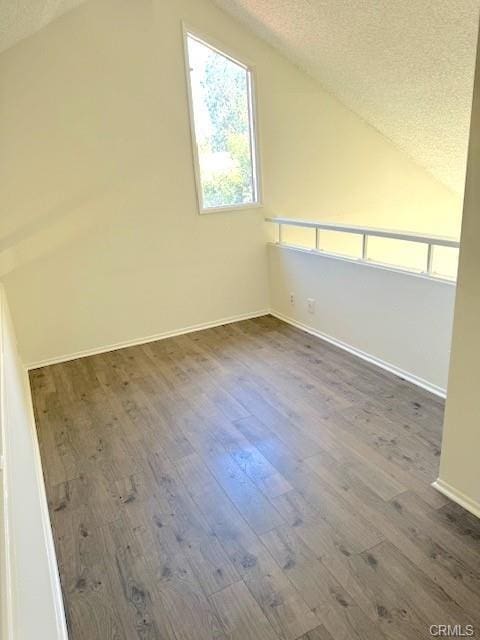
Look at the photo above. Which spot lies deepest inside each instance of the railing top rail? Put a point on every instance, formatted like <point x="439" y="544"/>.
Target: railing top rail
<point x="443" y="241"/>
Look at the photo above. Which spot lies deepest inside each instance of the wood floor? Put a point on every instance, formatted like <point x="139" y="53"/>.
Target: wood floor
<point x="250" y="482"/>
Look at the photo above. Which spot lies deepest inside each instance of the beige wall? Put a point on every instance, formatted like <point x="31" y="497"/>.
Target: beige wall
<point x="33" y="607"/>
<point x="460" y="465"/>
<point x="401" y="321"/>
<point x="100" y="240"/>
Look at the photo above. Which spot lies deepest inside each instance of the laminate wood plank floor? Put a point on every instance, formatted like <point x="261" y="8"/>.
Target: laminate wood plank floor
<point x="250" y="482"/>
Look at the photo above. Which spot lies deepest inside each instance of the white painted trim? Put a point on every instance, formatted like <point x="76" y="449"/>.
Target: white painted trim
<point x="223" y="50"/>
<point x="457" y="496"/>
<point x="370" y="264"/>
<point x="408" y="236"/>
<point x="62" y="633"/>
<point x="6" y="606"/>
<point x="419" y="382"/>
<point x="232" y="208"/>
<point x="147" y="339"/>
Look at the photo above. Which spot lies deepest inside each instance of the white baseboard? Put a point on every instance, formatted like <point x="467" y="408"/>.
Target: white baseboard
<point x="14" y="594"/>
<point x="147" y="339"/>
<point x="457" y="496"/>
<point x="420" y="382"/>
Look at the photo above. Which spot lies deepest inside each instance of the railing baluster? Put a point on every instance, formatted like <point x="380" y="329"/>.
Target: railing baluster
<point x="365" y="247"/>
<point x="430" y="241"/>
<point x="430" y="259"/>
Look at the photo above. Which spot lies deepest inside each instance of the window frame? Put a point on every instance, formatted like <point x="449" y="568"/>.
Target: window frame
<point x="224" y="51"/>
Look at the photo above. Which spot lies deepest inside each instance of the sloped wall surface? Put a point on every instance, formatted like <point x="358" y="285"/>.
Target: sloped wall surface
<point x="406" y="67"/>
<point x="101" y="242"/>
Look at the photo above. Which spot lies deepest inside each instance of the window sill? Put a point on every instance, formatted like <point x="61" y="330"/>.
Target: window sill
<point x="231" y="208"/>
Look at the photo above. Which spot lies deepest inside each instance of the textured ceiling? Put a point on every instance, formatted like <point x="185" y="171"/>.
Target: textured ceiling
<point x="405" y="66"/>
<point x="21" y="18"/>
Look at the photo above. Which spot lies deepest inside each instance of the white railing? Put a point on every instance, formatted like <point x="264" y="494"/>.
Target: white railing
<point x="429" y="241"/>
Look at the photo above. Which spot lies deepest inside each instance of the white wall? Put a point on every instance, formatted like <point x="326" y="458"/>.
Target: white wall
<point x="398" y="319"/>
<point x="460" y="466"/>
<point x="100" y="240"/>
<point x="32" y="583"/>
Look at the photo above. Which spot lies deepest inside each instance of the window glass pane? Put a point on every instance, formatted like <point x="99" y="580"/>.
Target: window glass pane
<point x="445" y="262"/>
<point x="341" y="243"/>
<point x="398" y="253"/>
<point x="221" y="96"/>
<point x="298" y="236"/>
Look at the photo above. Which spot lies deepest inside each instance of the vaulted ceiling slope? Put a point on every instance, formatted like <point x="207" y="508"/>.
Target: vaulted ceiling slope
<point x="21" y="18"/>
<point x="404" y="66"/>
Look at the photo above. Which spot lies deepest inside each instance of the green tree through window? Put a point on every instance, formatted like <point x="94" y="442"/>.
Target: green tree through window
<point x="221" y="97"/>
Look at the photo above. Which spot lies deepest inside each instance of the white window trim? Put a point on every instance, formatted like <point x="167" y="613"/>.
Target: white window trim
<point x="226" y="52"/>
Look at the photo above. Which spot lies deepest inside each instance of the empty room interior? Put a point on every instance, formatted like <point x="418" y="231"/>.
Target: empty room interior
<point x="239" y="320"/>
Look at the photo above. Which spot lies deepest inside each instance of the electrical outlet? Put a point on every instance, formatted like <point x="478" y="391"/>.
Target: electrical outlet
<point x="292" y="299"/>
<point x="311" y="305"/>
